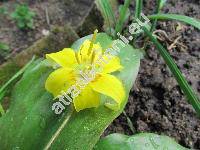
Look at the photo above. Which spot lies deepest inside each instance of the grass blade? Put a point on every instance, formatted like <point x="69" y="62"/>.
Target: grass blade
<point x="185" y="19"/>
<point x="160" y="4"/>
<point x="2" y="112"/>
<point x="138" y="11"/>
<point x="193" y="99"/>
<point x="138" y="8"/>
<point x="107" y="12"/>
<point x="2" y="89"/>
<point x="122" y="16"/>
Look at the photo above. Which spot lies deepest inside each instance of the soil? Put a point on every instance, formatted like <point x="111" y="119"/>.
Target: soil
<point x="156" y="103"/>
<point x="48" y="14"/>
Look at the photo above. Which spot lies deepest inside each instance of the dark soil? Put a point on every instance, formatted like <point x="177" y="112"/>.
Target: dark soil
<point x="156" y="103"/>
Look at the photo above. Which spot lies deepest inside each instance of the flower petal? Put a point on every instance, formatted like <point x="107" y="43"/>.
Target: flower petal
<point x="86" y="99"/>
<point x="111" y="86"/>
<point x="112" y="65"/>
<point x="60" y="79"/>
<point x="64" y="58"/>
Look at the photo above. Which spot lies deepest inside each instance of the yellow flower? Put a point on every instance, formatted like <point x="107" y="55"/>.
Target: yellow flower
<point x="94" y="65"/>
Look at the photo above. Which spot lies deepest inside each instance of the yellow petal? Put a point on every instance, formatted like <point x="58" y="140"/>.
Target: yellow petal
<point x="109" y="85"/>
<point x="86" y="99"/>
<point x="112" y="65"/>
<point x="60" y="79"/>
<point x="64" y="58"/>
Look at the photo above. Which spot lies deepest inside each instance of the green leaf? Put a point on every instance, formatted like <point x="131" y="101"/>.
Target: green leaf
<point x="21" y="24"/>
<point x="20" y="72"/>
<point x="2" y="112"/>
<point x="2" y="94"/>
<point x="192" y="97"/>
<point x="191" y="21"/>
<point x="142" y="141"/>
<point x="30" y="24"/>
<point x="23" y="16"/>
<point x="4" y="46"/>
<point x="13" y="15"/>
<point x="3" y="10"/>
<point x="31" y="14"/>
<point x="31" y="124"/>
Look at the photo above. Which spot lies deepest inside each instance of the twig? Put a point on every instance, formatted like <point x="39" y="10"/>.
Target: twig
<point x="173" y="45"/>
<point x="163" y="33"/>
<point x="47" y="16"/>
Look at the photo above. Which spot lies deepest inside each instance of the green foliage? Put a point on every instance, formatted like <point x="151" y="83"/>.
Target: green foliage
<point x="31" y="124"/>
<point x="127" y="14"/>
<point x="4" y="49"/>
<point x="189" y="20"/>
<point x="108" y="14"/>
<point x="123" y="12"/>
<point x="161" y="4"/>
<point x="19" y="73"/>
<point x="142" y="141"/>
<point x="23" y="17"/>
<point x="4" y="88"/>
<point x="3" y="10"/>
<point x="138" y="8"/>
<point x="138" y="11"/>
<point x="2" y="112"/>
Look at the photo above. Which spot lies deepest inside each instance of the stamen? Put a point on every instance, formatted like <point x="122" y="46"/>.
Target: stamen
<point x="93" y="56"/>
<point x="92" y="41"/>
<point x="77" y="58"/>
<point x="81" y="52"/>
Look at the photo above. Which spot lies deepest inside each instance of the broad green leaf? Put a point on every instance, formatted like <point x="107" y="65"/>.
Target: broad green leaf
<point x="20" y="72"/>
<point x="185" y="19"/>
<point x="142" y="141"/>
<point x="31" y="124"/>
